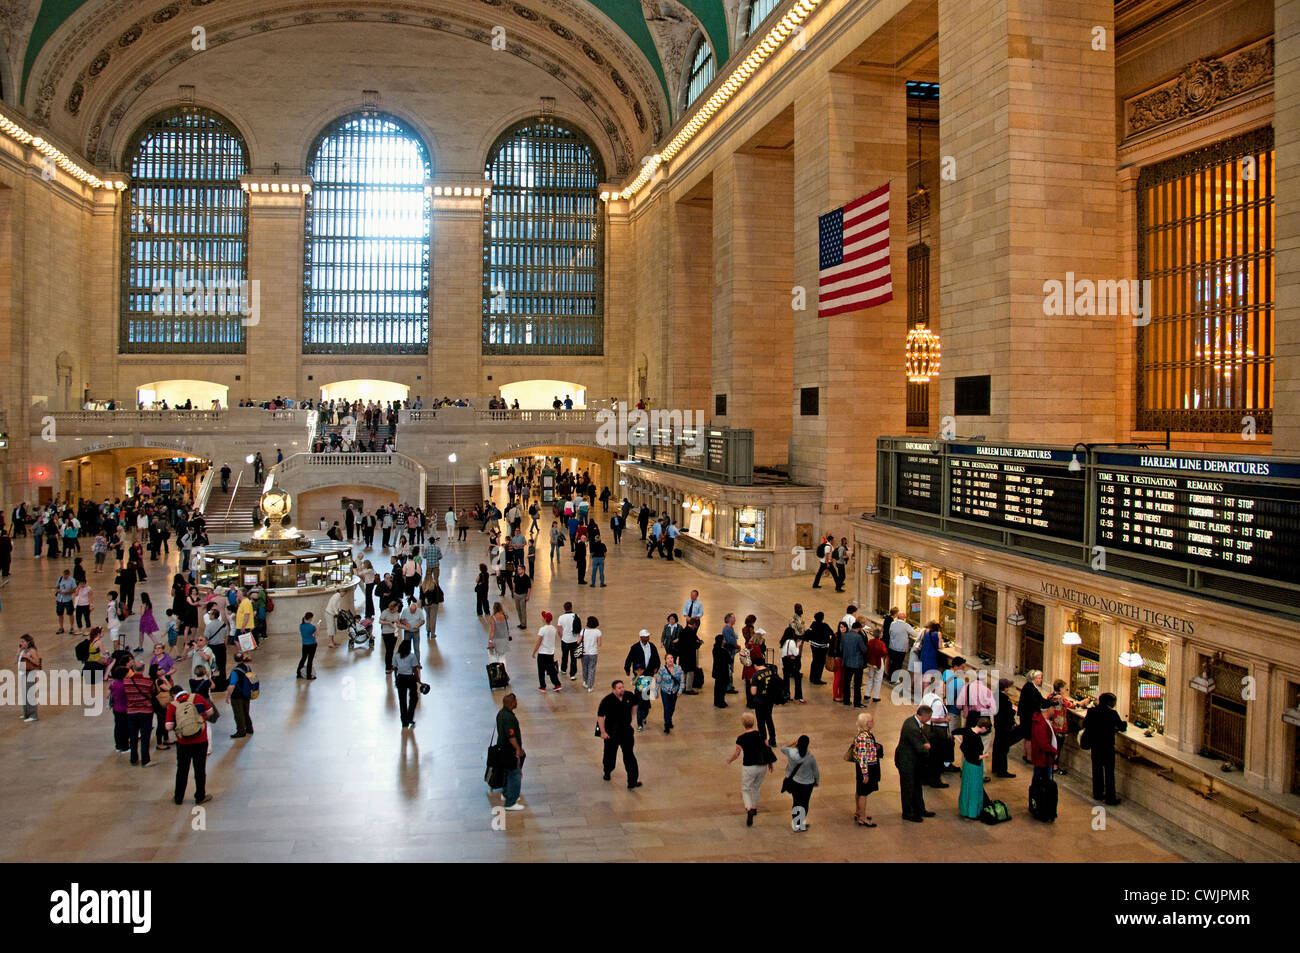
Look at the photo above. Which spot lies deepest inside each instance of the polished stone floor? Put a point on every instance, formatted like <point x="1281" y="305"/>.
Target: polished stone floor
<point x="331" y="776"/>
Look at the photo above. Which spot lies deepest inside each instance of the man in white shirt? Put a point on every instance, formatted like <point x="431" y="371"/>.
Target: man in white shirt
<point x="940" y="735"/>
<point x="332" y="616"/>
<point x="568" y="640"/>
<point x="850" y="616"/>
<point x="692" y="608"/>
<point x="450" y="521"/>
<point x="899" y="640"/>
<point x="544" y="652"/>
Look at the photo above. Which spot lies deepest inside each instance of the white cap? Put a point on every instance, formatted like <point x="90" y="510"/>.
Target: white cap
<point x="644" y="634"/>
<point x="760" y="631"/>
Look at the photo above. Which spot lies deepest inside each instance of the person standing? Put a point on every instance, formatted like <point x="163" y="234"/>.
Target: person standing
<point x="733" y="646"/>
<point x="580" y="558"/>
<point x="187" y="717"/>
<point x="866" y="757"/>
<point x="307" y="631"/>
<point x="819" y="640"/>
<point x="407" y="665"/>
<point x="28" y="665"/>
<point x="139" y="690"/>
<point x="756" y="761"/>
<point x="693" y="608"/>
<point x="481" y="591"/>
<point x="432" y="557"/>
<point x="669" y="681"/>
<point x="762" y="688"/>
<point x="671" y="532"/>
<point x="557" y="544"/>
<point x="801" y="776"/>
<point x="877" y="660"/>
<point x="449" y="521"/>
<point x="349" y="521"/>
<point x="898" y="640"/>
<point x="544" y="652"/>
<point x="242" y="689"/>
<point x="928" y="650"/>
<point x="523" y="590"/>
<point x="1005" y="732"/>
<point x="840" y="555"/>
<point x="1100" y="726"/>
<point x="910" y="760"/>
<point x="215" y="631"/>
<point x="721" y="671"/>
<point x="971" y="800"/>
<point x="510" y="749"/>
<point x="598" y="550"/>
<point x="591" y="638"/>
<point x="668" y="636"/>
<point x="853" y="658"/>
<point x="1031" y="702"/>
<point x="1045" y="748"/>
<point x="614" y="720"/>
<point x="940" y="754"/>
<point x="388" y="621"/>
<point x="791" y="663"/>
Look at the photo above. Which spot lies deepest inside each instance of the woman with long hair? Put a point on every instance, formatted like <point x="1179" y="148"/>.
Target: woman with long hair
<point x="148" y="624"/>
<point x="801" y="776"/>
<point x="28" y="664"/>
<point x="834" y="653"/>
<point x="500" y="623"/>
<point x="430" y="599"/>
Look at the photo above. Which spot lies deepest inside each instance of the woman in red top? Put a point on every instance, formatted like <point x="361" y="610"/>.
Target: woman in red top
<point x="1058" y="716"/>
<point x="1044" y="741"/>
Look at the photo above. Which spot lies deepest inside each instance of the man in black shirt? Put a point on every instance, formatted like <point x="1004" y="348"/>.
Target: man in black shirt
<point x="818" y="637"/>
<point x="522" y="585"/>
<point x="614" y="720"/>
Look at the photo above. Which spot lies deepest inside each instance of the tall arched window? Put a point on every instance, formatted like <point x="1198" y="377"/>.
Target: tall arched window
<point x="366" y="269"/>
<point x="543" y="243"/>
<point x="185" y="236"/>
<point x="702" y="69"/>
<point x="758" y="12"/>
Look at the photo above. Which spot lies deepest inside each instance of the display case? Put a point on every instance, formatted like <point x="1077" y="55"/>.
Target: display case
<point x="326" y="563"/>
<point x="751" y="527"/>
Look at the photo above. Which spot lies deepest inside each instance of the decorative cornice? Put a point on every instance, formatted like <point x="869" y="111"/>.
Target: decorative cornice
<point x="1201" y="86"/>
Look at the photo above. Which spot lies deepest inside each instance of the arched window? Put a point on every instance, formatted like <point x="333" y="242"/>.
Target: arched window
<point x="758" y="12"/>
<point x="702" y="69"/>
<point x="366" y="268"/>
<point x="185" y="236"/>
<point x="543" y="243"/>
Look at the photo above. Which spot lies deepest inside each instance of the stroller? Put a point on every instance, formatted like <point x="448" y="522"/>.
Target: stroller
<point x="360" y="633"/>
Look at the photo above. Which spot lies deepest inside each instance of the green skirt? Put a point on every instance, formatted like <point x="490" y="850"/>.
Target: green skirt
<point x="972" y="789"/>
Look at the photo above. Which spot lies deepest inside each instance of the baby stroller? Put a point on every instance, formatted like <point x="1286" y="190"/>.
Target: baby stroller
<point x="360" y="634"/>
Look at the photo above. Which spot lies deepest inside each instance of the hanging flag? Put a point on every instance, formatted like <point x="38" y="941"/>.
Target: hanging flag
<point x="853" y="273"/>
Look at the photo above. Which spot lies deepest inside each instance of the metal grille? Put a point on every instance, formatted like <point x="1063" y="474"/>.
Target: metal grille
<point x="1147" y="686"/>
<point x="884" y="584"/>
<point x="366" y="258"/>
<point x="918" y="311"/>
<point x="702" y="71"/>
<point x="1225" y="713"/>
<point x="1031" y="637"/>
<point x="986" y="637"/>
<point x="185" y="237"/>
<point x="1205" y="241"/>
<point x="543" y="244"/>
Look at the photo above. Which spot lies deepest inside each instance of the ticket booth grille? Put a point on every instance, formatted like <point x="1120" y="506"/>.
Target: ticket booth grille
<point x="986" y="636"/>
<point x="948" y="607"/>
<point x="1295" y="742"/>
<point x="1032" y="635"/>
<point x="1085" y="661"/>
<point x="884" y="585"/>
<point x="1224" y="735"/>
<point x="1147" y="689"/>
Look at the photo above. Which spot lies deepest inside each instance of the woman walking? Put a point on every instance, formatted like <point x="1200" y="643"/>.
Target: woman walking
<point x="865" y="754"/>
<point x="368" y="580"/>
<point x="29" y="663"/>
<point x="388" y="620"/>
<point x="971" y="800"/>
<point x="500" y="631"/>
<point x="408" y="681"/>
<point x="801" y="776"/>
<point x="431" y="600"/>
<point x="307" y="631"/>
<point x="756" y="760"/>
<point x="148" y="624"/>
<point x="590" y="640"/>
<point x="481" y="591"/>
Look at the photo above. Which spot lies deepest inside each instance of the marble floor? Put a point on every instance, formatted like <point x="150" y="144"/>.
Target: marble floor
<point x="331" y="776"/>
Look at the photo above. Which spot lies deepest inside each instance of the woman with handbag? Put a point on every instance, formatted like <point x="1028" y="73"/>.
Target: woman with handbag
<point x="834" y="661"/>
<point x="801" y="776"/>
<point x="431" y="599"/>
<point x="971" y="800"/>
<point x="757" y="760"/>
<point x="865" y="753"/>
<point x="28" y="665"/>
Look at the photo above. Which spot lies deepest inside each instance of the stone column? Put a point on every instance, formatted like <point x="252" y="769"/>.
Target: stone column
<point x="1259" y="724"/>
<point x="1277" y="698"/>
<point x="690" y="313"/>
<point x="1008" y="636"/>
<point x="850" y="137"/>
<point x="1176" y="676"/>
<point x="1286" y="140"/>
<point x="456" y="299"/>
<point x="273" y="334"/>
<point x="1191" y="709"/>
<point x="1027" y="115"/>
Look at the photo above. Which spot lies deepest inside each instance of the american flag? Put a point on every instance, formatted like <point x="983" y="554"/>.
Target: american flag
<point x="854" y="251"/>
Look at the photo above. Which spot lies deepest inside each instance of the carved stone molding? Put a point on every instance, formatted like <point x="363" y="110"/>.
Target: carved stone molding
<point x="1202" y="85"/>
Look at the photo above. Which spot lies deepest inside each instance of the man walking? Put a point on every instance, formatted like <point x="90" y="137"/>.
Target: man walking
<point x="569" y="629"/>
<point x="614" y="719"/>
<point x="510" y="748"/>
<point x="841" y="557"/>
<point x="598" y="550"/>
<point x="544" y="652"/>
<point x="825" y="562"/>
<point x="671" y="532"/>
<point x="643" y="654"/>
<point x="910" y="760"/>
<point x="432" y="556"/>
<point x="522" y="589"/>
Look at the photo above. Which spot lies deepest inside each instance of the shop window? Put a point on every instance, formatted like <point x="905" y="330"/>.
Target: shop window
<point x="986" y="638"/>
<point x="1085" y="661"/>
<point x="1032" y="636"/>
<point x="915" y="600"/>
<point x="751" y="527"/>
<point x="1147" y="687"/>
<point x="1224" y="733"/>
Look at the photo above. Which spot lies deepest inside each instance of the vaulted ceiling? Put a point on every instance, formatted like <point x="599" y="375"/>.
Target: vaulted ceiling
<point x="76" y="66"/>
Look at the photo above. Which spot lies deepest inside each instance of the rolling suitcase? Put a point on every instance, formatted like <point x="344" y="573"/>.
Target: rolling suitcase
<point x="1042" y="800"/>
<point x="497" y="677"/>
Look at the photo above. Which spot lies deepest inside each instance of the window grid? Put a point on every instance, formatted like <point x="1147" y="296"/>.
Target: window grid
<point x="366" y="267"/>
<point x="185" y="231"/>
<point x="543" y="244"/>
<point x="1205" y="241"/>
<point x="702" y="71"/>
<point x="758" y="12"/>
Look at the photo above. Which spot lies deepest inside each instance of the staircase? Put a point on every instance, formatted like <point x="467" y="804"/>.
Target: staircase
<point x="223" y="516"/>
<point x="438" y="496"/>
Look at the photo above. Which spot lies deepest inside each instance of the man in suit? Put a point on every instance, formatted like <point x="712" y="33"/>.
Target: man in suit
<point x="1100" y="726"/>
<point x="642" y="653"/>
<point x="910" y="759"/>
<point x="853" y="655"/>
<point x="670" y="633"/>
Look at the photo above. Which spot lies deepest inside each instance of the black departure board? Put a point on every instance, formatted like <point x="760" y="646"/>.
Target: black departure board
<point x="1016" y="488"/>
<point x="918" y="475"/>
<point x="1184" y="510"/>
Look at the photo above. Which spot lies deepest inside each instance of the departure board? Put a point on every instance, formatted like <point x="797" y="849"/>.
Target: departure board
<point x="918" y="475"/>
<point x="1016" y="488"/>
<point x="1200" y="518"/>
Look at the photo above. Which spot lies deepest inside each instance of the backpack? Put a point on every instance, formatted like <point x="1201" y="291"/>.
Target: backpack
<point x="189" y="723"/>
<point x="82" y="651"/>
<point x="576" y="628"/>
<point x="775" y="687"/>
<point x="250" y="679"/>
<point x="821" y="551"/>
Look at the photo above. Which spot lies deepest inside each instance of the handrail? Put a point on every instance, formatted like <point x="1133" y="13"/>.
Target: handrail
<point x="205" y="489"/>
<point x="474" y="416"/>
<point x="233" y="494"/>
<point x="351" y="458"/>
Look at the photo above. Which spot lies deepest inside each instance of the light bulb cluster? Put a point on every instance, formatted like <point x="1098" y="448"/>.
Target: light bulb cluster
<point x="60" y="158"/>
<point x="459" y="190"/>
<point x="757" y="56"/>
<point x="302" y="187"/>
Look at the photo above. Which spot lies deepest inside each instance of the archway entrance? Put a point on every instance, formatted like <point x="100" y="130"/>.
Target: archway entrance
<point x="571" y="459"/>
<point x="365" y="390"/>
<point x="132" y="471"/>
<point x="542" y="394"/>
<point x="201" y="395"/>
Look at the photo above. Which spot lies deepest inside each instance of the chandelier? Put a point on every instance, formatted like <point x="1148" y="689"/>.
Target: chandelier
<point x="922" y="354"/>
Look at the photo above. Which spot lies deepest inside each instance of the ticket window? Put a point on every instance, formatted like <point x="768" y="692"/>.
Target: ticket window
<point x="948" y="607"/>
<point x="915" y="600"/>
<point x="1295" y="742"/>
<point x="1085" y="661"/>
<point x="1147" y="688"/>
<point x="884" y="584"/>
<point x="1032" y="637"/>
<point x="751" y="527"/>
<point x="986" y="638"/>
<point x="1224" y="734"/>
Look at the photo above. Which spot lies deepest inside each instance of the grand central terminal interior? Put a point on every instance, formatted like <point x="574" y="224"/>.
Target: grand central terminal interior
<point x="974" y="324"/>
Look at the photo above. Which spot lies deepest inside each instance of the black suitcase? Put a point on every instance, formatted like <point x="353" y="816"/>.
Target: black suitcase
<point x="497" y="677"/>
<point x="1042" y="800"/>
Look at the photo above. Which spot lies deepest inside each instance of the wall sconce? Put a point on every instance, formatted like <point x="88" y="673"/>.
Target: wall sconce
<point x="1132" y="658"/>
<point x="976" y="601"/>
<point x="1017" y="618"/>
<point x="935" y="591"/>
<point x="1071" y="635"/>
<point x="901" y="578"/>
<point x="1201" y="683"/>
<point x="871" y="570"/>
<point x="1291" y="717"/>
